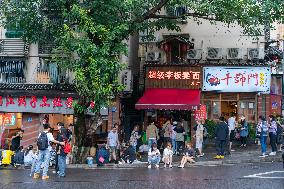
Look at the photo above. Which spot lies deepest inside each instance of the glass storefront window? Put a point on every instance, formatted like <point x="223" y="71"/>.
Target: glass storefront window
<point x="216" y="110"/>
<point x="208" y="109"/>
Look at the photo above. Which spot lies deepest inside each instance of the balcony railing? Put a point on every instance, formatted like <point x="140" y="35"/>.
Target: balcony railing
<point x="13" y="47"/>
<point x="12" y="71"/>
<point x="45" y="49"/>
<point x="50" y="73"/>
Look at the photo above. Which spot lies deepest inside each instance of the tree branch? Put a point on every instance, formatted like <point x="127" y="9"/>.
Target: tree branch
<point x="195" y="15"/>
<point x="155" y="9"/>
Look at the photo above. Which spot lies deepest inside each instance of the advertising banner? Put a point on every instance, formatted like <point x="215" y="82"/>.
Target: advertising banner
<point x="237" y="79"/>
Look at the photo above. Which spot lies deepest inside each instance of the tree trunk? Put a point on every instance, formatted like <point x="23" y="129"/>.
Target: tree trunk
<point x="84" y="133"/>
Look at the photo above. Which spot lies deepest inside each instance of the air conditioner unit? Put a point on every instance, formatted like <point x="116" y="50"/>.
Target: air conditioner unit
<point x="215" y="53"/>
<point x="255" y="53"/>
<point x="194" y="54"/>
<point x="153" y="56"/>
<point x="126" y="80"/>
<point x="235" y="53"/>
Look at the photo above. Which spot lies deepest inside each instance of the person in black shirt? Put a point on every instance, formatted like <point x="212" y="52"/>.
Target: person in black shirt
<point x="61" y="157"/>
<point x="188" y="155"/>
<point x="16" y="140"/>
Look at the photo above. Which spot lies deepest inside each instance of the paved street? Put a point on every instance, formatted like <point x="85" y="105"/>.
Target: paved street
<point x="245" y="176"/>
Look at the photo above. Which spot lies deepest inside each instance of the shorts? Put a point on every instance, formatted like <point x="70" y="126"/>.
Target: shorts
<point x="232" y="136"/>
<point x="112" y="149"/>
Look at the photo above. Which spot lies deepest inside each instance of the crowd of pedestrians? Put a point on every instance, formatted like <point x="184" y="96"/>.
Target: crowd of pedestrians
<point x="48" y="152"/>
<point x="163" y="143"/>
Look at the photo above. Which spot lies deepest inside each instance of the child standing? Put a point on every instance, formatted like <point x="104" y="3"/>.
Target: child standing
<point x="168" y="156"/>
<point x="34" y="161"/>
<point x="188" y="155"/>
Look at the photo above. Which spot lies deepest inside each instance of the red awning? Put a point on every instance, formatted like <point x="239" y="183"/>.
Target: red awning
<point x="169" y="99"/>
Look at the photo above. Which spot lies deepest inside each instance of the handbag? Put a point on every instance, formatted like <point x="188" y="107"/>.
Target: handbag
<point x="237" y="136"/>
<point x="101" y="159"/>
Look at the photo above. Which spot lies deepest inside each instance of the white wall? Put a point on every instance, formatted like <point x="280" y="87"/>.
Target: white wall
<point x="207" y="35"/>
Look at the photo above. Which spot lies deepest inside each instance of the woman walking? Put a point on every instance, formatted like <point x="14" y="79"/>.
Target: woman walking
<point x="244" y="131"/>
<point x="272" y="135"/>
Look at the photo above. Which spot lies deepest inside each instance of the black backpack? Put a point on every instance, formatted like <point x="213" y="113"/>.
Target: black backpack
<point x="42" y="141"/>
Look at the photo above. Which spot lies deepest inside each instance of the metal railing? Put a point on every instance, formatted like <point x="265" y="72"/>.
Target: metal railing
<point x="13" y="47"/>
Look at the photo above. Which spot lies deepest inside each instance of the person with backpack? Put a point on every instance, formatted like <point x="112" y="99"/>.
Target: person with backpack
<point x="262" y="130"/>
<point x="44" y="147"/>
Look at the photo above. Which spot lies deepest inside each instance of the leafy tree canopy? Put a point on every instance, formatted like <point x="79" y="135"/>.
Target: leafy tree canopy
<point x="90" y="34"/>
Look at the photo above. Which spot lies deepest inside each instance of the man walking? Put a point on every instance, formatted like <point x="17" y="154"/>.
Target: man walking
<point x="113" y="143"/>
<point x="222" y="133"/>
<point x="44" y="148"/>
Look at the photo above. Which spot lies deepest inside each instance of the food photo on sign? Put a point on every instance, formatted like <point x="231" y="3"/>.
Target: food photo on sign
<point x="237" y="79"/>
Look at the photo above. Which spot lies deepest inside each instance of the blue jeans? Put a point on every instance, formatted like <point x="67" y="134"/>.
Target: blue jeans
<point x="43" y="157"/>
<point x="151" y="141"/>
<point x="263" y="144"/>
<point x="154" y="160"/>
<point x="174" y="145"/>
<point x="61" y="165"/>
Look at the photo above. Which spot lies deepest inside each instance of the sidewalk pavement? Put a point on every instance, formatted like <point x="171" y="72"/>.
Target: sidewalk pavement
<point x="250" y="154"/>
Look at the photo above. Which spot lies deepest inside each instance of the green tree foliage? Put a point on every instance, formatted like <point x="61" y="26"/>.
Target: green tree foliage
<point x="90" y="35"/>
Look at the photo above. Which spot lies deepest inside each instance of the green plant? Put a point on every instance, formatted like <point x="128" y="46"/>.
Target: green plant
<point x="252" y="131"/>
<point x="211" y="127"/>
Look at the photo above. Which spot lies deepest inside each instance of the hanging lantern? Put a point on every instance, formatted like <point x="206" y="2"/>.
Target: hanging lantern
<point x="184" y="47"/>
<point x="166" y="47"/>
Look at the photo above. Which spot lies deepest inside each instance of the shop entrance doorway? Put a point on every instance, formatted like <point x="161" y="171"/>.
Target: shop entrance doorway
<point x="228" y="108"/>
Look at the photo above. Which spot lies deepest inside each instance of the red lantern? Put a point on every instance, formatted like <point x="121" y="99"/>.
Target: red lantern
<point x="92" y="104"/>
<point x="184" y="47"/>
<point x="166" y="47"/>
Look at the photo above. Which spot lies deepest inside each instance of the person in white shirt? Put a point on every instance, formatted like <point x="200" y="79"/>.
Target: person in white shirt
<point x="168" y="156"/>
<point x="232" y="125"/>
<point x="113" y="143"/>
<point x="44" y="154"/>
<point x="199" y="137"/>
<point x="154" y="156"/>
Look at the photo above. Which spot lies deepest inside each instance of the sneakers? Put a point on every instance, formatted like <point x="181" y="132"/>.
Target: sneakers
<point x="233" y="150"/>
<point x="165" y="166"/>
<point x="36" y="176"/>
<point x="45" y="177"/>
<point x="157" y="166"/>
<point x="170" y="166"/>
<point x="222" y="157"/>
<point x="149" y="166"/>
<point x="263" y="155"/>
<point x="180" y="166"/>
<point x="217" y="157"/>
<point x="272" y="154"/>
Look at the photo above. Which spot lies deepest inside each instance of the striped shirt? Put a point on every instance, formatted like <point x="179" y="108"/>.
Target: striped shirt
<point x="273" y="127"/>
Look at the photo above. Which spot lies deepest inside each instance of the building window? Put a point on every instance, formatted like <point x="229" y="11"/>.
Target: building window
<point x="216" y="110"/>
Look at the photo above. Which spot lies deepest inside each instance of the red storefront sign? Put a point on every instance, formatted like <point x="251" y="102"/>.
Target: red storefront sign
<point x="33" y="102"/>
<point x="201" y="113"/>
